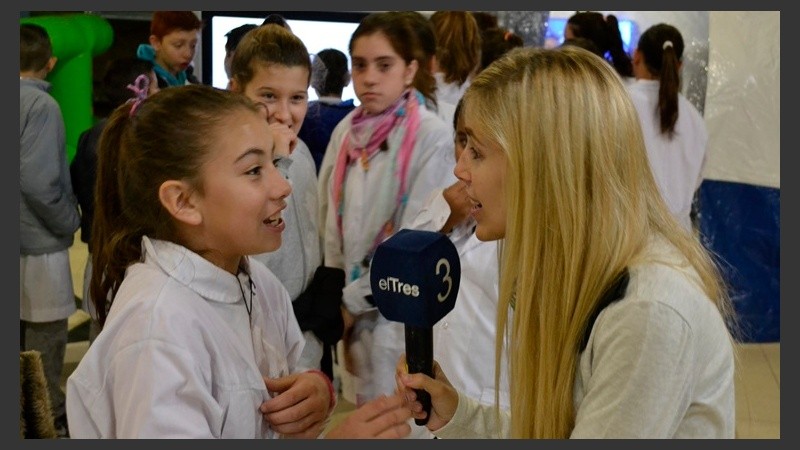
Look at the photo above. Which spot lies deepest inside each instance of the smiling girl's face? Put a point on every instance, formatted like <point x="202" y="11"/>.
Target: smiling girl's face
<point x="243" y="192"/>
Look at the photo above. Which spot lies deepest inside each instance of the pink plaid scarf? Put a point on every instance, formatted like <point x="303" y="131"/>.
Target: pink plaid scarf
<point x="367" y="135"/>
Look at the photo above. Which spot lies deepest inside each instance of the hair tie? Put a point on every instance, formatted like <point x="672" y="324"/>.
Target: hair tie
<point x="666" y="44"/>
<point x="508" y="35"/>
<point x="140" y="88"/>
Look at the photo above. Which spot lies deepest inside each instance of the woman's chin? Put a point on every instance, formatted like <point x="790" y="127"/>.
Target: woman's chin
<point x="484" y="233"/>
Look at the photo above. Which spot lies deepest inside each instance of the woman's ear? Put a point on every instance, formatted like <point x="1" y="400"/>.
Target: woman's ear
<point x="179" y="200"/>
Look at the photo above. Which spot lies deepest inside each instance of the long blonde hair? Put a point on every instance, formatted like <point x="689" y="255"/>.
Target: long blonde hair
<point x="582" y="204"/>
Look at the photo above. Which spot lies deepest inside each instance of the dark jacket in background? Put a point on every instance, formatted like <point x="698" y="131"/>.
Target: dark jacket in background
<point x="48" y="211"/>
<point x="83" y="170"/>
<point x="319" y="123"/>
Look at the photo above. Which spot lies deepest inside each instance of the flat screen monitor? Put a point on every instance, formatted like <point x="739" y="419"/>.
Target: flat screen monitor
<point x="554" y="35"/>
<point x="317" y="29"/>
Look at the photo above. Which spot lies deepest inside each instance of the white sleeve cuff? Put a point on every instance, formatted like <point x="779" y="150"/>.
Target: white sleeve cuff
<point x="353" y="296"/>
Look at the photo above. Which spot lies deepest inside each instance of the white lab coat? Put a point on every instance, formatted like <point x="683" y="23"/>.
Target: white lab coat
<point x="177" y="357"/>
<point x="377" y="343"/>
<point x="677" y="164"/>
<point x="464" y="339"/>
<point x="450" y="92"/>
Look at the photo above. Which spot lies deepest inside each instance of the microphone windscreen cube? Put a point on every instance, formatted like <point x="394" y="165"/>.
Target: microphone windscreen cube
<point x="415" y="277"/>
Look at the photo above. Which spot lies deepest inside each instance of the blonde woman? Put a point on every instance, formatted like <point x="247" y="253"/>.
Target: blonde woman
<point x="618" y="325"/>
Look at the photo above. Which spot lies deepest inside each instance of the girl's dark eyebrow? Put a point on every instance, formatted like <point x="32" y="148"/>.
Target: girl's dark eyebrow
<point x="382" y="59"/>
<point x="252" y="151"/>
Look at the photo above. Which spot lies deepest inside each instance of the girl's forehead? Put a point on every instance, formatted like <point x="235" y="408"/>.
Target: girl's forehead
<point x="372" y="41"/>
<point x="262" y="67"/>
<point x="241" y="130"/>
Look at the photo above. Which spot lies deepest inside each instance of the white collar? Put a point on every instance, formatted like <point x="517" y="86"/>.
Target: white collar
<point x="195" y="272"/>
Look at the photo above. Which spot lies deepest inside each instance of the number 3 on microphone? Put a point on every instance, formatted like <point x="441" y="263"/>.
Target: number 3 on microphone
<point x="444" y="262"/>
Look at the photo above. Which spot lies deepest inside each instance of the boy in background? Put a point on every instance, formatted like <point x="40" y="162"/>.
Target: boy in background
<point x="173" y="41"/>
<point x="234" y="36"/>
<point x="48" y="217"/>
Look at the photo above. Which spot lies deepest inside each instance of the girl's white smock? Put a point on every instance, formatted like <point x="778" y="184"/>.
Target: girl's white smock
<point x="177" y="357"/>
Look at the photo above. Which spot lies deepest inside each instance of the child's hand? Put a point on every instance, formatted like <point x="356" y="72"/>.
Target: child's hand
<point x="348" y="319"/>
<point x="300" y="407"/>
<point x="460" y="205"/>
<point x="285" y="139"/>
<point x="381" y="418"/>
<point x="444" y="397"/>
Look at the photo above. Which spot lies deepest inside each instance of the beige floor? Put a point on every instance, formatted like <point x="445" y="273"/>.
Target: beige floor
<point x="758" y="372"/>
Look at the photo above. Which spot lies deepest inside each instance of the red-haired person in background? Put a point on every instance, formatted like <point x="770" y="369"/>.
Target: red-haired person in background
<point x="173" y="41"/>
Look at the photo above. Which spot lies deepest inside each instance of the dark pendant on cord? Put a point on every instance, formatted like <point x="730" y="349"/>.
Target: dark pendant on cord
<point x="248" y="307"/>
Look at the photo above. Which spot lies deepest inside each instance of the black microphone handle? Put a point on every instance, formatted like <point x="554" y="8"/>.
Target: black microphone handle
<point x="419" y="357"/>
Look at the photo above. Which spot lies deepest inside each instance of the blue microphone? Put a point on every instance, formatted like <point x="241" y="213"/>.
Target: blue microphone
<point x="414" y="278"/>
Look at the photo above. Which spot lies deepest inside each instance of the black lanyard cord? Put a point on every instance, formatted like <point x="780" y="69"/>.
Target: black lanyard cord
<point x="248" y="307"/>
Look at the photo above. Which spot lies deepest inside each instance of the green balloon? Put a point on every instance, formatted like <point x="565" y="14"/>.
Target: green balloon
<point x="76" y="40"/>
